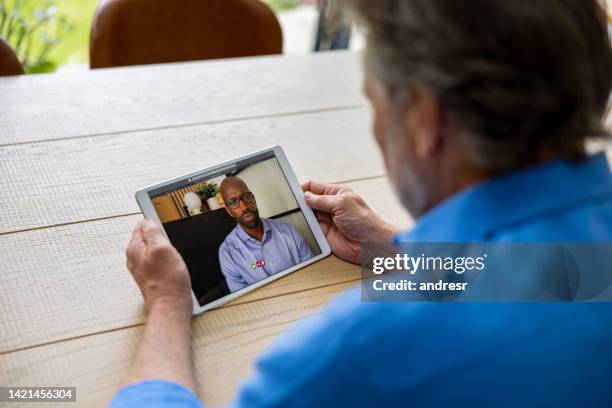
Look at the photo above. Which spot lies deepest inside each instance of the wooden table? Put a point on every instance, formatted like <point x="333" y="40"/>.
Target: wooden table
<point x="73" y="149"/>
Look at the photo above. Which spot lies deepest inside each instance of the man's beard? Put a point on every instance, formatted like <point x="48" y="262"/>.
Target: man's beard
<point x="252" y="224"/>
<point x="409" y="187"/>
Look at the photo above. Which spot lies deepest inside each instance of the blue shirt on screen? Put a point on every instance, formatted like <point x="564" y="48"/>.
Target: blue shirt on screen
<point x="245" y="260"/>
<point x="453" y="354"/>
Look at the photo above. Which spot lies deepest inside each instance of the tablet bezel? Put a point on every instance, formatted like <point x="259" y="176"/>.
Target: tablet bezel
<point x="148" y="210"/>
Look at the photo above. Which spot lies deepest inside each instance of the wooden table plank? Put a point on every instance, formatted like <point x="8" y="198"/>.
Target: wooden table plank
<point x="73" y="180"/>
<point x="70" y="281"/>
<point x="347" y="68"/>
<point x="225" y="342"/>
<point x="46" y="107"/>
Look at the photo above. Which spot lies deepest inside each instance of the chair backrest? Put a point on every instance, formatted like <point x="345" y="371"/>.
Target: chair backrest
<point x="135" y="32"/>
<point x="9" y="63"/>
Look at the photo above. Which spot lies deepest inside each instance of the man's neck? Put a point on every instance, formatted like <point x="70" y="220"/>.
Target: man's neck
<point x="464" y="177"/>
<point x="256" y="232"/>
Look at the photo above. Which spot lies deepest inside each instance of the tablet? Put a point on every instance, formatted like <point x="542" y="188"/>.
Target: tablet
<point x="238" y="225"/>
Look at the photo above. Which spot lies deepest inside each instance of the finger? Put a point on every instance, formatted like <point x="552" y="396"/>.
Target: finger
<point x="306" y="185"/>
<point x="135" y="248"/>
<point x="325" y="221"/>
<point x="325" y="227"/>
<point x="318" y="187"/>
<point x="321" y="202"/>
<point x="136" y="239"/>
<point x="152" y="234"/>
<point x="322" y="216"/>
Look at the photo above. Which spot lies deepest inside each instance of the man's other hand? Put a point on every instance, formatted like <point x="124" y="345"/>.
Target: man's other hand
<point x="345" y="218"/>
<point x="157" y="267"/>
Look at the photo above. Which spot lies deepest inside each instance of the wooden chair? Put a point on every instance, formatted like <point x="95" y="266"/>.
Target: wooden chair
<point x="9" y="63"/>
<point x="135" y="32"/>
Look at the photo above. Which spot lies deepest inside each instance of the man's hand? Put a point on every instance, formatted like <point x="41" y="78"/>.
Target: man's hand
<point x="163" y="279"/>
<point x="158" y="268"/>
<point x="345" y="218"/>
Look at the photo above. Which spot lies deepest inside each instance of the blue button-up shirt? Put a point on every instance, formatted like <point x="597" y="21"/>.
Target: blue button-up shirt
<point x="453" y="354"/>
<point x="245" y="260"/>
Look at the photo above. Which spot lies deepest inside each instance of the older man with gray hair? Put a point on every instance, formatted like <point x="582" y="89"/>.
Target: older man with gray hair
<point x="482" y="110"/>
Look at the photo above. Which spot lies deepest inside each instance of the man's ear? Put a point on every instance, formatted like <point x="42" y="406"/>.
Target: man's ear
<point x="423" y="122"/>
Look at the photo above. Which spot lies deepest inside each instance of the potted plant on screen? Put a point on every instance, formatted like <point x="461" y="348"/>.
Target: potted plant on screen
<point x="208" y="191"/>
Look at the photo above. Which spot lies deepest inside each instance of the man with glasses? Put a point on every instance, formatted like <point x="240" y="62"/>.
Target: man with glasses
<point x="257" y="247"/>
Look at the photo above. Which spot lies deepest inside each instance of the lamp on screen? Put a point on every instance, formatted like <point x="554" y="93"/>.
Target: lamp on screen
<point x="193" y="203"/>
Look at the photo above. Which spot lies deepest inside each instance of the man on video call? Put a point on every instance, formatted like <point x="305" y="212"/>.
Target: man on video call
<point x="257" y="247"/>
<point x="483" y="111"/>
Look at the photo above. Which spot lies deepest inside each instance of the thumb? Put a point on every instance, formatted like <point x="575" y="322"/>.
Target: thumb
<point x="321" y="202"/>
<point x="152" y="233"/>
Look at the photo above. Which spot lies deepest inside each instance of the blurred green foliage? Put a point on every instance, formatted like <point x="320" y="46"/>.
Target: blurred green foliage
<point x="33" y="28"/>
<point x="282" y="4"/>
<point x="74" y="48"/>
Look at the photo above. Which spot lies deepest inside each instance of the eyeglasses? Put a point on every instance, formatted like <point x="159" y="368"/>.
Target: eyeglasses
<point x="247" y="198"/>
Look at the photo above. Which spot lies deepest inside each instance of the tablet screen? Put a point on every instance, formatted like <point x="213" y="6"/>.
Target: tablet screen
<point x="236" y="226"/>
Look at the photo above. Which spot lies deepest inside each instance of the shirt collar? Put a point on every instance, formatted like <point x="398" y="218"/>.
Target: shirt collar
<point x="476" y="212"/>
<point x="246" y="237"/>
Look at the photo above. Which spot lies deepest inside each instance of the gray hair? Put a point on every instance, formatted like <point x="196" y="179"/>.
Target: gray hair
<point x="518" y="78"/>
